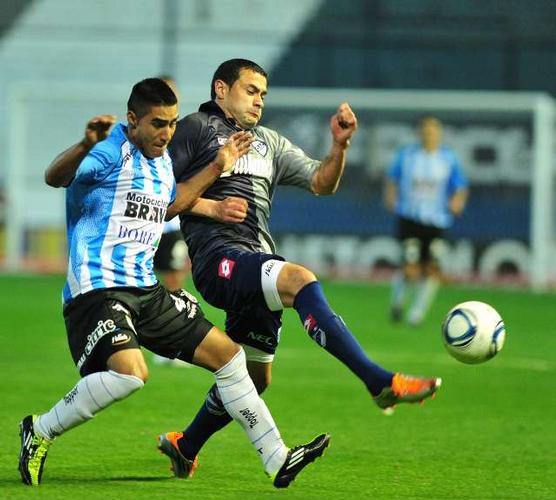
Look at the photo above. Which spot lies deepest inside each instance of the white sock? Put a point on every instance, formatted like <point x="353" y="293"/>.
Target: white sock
<point x="426" y="292"/>
<point x="91" y="394"/>
<point x="397" y="298"/>
<point x="240" y="398"/>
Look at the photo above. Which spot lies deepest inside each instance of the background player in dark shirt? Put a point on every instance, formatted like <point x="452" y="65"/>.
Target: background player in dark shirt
<point x="234" y="265"/>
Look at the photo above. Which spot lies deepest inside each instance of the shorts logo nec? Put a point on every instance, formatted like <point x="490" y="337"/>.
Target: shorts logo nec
<point x="226" y="268"/>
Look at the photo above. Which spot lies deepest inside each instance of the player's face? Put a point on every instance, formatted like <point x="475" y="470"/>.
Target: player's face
<point x="153" y="131"/>
<point x="431" y="133"/>
<point x="244" y="100"/>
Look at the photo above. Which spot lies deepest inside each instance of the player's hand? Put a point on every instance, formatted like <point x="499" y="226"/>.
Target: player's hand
<point x="231" y="209"/>
<point x="236" y="146"/>
<point x="343" y="124"/>
<point x="456" y="206"/>
<point x="97" y="129"/>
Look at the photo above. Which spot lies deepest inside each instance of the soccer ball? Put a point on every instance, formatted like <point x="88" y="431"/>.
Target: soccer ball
<point x="473" y="332"/>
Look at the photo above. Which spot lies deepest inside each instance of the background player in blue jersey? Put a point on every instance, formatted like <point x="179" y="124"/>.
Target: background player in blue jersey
<point x="117" y="198"/>
<point x="425" y="188"/>
<point x="235" y="266"/>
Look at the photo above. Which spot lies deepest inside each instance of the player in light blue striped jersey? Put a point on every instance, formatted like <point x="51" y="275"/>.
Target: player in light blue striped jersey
<point x="425" y="188"/>
<point x="118" y="192"/>
<point x="126" y="194"/>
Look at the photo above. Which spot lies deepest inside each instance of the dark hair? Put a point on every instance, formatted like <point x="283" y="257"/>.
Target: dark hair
<point x="229" y="70"/>
<point x="150" y="92"/>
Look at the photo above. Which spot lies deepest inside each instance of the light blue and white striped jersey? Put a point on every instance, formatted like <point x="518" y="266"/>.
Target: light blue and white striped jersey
<point x="172" y="225"/>
<point x="115" y="209"/>
<point x="426" y="182"/>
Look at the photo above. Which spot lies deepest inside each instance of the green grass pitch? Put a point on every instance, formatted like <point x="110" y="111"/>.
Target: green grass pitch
<point x="490" y="433"/>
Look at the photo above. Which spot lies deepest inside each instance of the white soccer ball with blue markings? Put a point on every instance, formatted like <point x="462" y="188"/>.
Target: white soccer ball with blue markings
<point x="473" y="332"/>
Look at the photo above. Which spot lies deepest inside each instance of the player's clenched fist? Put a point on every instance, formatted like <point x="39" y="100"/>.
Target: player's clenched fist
<point x="98" y="128"/>
<point x="343" y="124"/>
<point x="231" y="209"/>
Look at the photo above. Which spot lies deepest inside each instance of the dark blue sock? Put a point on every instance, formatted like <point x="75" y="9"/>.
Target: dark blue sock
<point x="329" y="331"/>
<point x="210" y="418"/>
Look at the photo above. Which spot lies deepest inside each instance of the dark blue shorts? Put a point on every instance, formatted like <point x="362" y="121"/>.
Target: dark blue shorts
<point x="231" y="281"/>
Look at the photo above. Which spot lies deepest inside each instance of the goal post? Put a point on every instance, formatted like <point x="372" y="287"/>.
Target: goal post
<point x="542" y="188"/>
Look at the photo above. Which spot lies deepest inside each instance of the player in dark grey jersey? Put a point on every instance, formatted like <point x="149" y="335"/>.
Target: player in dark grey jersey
<point x="233" y="261"/>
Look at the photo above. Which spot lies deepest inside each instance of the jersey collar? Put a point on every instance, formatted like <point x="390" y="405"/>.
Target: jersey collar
<point x="211" y="108"/>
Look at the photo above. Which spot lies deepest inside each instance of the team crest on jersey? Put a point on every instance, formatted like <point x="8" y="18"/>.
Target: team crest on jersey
<point x="260" y="147"/>
<point x="226" y="268"/>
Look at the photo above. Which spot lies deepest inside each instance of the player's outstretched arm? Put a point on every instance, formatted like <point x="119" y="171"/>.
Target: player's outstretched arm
<point x="343" y="125"/>
<point x="62" y="169"/>
<point x="189" y="191"/>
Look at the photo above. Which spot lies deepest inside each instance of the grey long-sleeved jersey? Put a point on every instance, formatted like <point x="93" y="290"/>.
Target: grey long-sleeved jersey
<point x="272" y="160"/>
